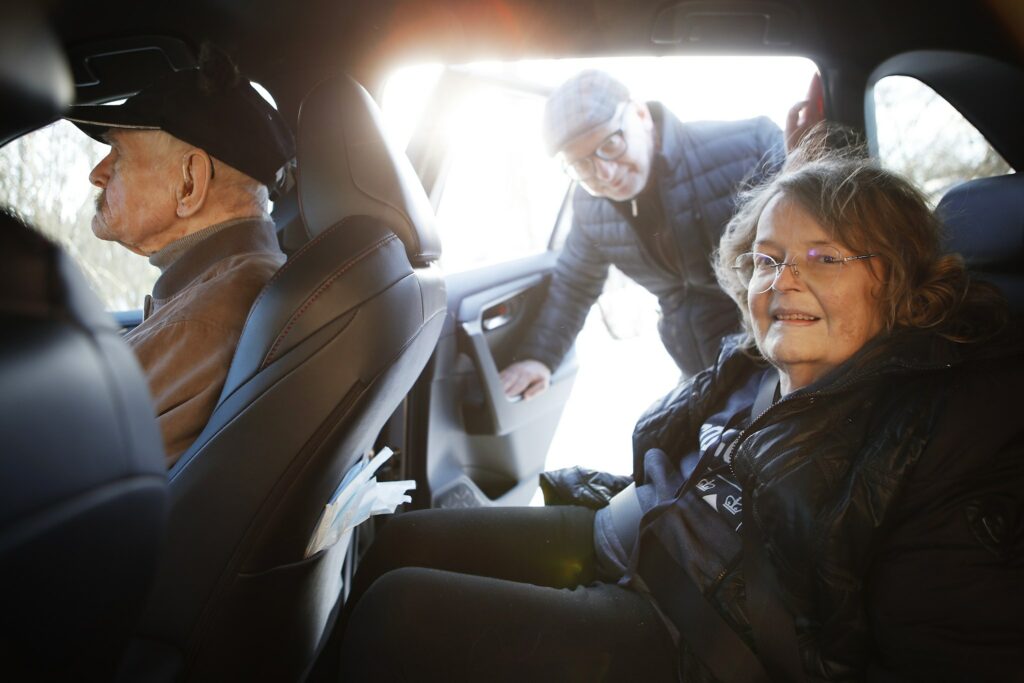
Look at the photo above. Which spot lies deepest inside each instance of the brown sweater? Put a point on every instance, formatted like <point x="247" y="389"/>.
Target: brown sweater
<point x="194" y="318"/>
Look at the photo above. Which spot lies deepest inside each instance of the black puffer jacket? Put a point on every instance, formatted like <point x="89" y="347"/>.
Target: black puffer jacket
<point x="890" y="498"/>
<point x="699" y="169"/>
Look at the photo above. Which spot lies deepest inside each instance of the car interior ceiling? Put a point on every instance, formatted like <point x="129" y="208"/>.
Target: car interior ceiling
<point x="367" y="39"/>
<point x="111" y="53"/>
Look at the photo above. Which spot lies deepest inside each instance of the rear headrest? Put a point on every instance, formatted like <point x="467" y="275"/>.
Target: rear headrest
<point x="346" y="167"/>
<point x="985" y="222"/>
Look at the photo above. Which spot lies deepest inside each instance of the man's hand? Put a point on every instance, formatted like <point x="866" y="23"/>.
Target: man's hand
<point x="527" y="377"/>
<point x="805" y="114"/>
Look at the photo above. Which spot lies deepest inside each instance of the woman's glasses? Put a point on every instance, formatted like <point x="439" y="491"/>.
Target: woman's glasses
<point x="820" y="266"/>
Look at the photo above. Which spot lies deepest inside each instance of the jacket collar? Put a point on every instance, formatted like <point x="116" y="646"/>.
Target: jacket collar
<point x="671" y="143"/>
<point x="900" y="352"/>
<point x="235" y="237"/>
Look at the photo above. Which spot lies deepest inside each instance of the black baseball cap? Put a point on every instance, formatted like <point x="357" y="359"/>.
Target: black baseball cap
<point x="223" y="115"/>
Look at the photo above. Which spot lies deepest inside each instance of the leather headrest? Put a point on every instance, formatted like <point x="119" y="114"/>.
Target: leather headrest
<point x="985" y="222"/>
<point x="35" y="81"/>
<point x="346" y="167"/>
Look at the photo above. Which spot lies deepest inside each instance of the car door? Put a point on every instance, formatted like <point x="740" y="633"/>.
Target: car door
<point x="500" y="202"/>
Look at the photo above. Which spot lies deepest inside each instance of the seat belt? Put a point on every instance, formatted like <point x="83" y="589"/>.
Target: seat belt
<point x="766" y="391"/>
<point x="774" y="630"/>
<point x="712" y="639"/>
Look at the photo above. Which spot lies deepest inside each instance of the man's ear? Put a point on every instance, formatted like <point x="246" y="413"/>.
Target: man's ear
<point x="196" y="174"/>
<point x="644" y="112"/>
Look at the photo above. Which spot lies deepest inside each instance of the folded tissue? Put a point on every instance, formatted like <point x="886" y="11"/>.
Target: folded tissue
<point x="357" y="498"/>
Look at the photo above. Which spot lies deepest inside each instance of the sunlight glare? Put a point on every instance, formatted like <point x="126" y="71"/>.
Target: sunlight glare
<point x="694" y="88"/>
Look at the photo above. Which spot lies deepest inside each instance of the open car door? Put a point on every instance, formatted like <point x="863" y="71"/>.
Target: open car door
<point x="500" y="201"/>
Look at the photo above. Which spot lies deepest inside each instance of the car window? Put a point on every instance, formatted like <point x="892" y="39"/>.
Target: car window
<point x="921" y="135"/>
<point x="44" y="176"/>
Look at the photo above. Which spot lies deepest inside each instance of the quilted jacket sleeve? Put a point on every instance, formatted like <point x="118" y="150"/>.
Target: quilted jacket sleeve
<point x="576" y="283"/>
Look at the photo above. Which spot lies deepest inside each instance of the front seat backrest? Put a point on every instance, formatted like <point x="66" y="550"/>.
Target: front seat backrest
<point x="330" y="349"/>
<point x="82" y="479"/>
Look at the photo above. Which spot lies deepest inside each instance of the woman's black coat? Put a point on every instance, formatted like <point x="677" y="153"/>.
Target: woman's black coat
<point x="889" y="495"/>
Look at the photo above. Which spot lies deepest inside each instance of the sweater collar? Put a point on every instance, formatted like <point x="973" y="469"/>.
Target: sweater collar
<point x="185" y="262"/>
<point x="169" y="254"/>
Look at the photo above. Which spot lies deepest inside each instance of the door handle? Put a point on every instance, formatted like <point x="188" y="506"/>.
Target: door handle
<point x="496" y="415"/>
<point x="492" y="412"/>
<point x="497" y="316"/>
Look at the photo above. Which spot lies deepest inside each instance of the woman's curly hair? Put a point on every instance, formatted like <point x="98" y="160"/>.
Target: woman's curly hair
<point x="869" y="209"/>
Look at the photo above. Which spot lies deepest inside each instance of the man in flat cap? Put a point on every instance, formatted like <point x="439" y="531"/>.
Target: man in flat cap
<point x="653" y="199"/>
<point x="192" y="160"/>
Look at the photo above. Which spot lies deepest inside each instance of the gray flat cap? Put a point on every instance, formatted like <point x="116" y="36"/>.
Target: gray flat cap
<point x="586" y="100"/>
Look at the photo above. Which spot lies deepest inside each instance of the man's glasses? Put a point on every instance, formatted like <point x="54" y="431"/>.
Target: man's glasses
<point x="820" y="266"/>
<point x="610" y="149"/>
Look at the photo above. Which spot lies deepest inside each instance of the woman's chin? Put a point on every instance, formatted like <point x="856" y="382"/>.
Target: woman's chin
<point x="783" y="355"/>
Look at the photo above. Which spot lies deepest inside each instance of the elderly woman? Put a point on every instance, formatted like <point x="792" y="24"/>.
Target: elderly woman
<point x="838" y="498"/>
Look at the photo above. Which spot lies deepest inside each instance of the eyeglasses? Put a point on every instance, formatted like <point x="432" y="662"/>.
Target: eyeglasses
<point x="820" y="266"/>
<point x="610" y="149"/>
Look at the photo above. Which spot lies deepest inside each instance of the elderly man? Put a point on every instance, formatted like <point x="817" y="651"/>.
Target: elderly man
<point x="192" y="158"/>
<point x="654" y="196"/>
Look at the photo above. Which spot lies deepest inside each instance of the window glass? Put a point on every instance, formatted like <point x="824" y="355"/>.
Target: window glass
<point x="921" y="135"/>
<point x="44" y="176"/>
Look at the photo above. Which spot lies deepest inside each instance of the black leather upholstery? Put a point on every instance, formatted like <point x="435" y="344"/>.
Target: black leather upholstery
<point x="82" y="480"/>
<point x="330" y="349"/>
<point x="985" y="223"/>
<point x="363" y="174"/>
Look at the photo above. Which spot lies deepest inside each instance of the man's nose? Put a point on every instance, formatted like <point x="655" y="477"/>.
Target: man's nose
<point x="100" y="173"/>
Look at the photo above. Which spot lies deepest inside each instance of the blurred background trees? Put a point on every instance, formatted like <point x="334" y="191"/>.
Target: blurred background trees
<point x="44" y="176"/>
<point x="923" y="137"/>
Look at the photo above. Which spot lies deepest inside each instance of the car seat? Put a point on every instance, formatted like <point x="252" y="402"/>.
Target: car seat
<point x="331" y="347"/>
<point x="82" y="478"/>
<point x="82" y="475"/>
<point x="984" y="220"/>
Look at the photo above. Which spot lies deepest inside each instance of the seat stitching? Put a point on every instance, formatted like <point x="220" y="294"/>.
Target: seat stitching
<point x="320" y="290"/>
<point x="294" y="257"/>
